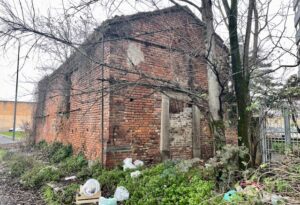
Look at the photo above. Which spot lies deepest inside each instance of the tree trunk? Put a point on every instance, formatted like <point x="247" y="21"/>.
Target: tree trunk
<point x="241" y="81"/>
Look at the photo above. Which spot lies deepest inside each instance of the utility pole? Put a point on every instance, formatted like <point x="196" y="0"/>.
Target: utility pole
<point x="16" y="92"/>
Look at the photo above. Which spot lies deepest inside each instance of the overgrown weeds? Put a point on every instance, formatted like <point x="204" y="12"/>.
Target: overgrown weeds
<point x="166" y="183"/>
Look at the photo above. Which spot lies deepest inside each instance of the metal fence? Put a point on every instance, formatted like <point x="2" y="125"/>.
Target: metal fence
<point x="279" y="135"/>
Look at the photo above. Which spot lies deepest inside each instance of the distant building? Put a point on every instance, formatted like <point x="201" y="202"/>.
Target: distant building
<point x="24" y="114"/>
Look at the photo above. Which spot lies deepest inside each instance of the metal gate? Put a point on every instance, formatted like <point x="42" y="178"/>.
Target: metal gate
<point x="279" y="136"/>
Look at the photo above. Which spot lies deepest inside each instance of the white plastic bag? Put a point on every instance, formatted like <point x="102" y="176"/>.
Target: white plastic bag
<point x="109" y="201"/>
<point x="138" y="163"/>
<point x="128" y="164"/>
<point x="121" y="193"/>
<point x="135" y="174"/>
<point x="91" y="187"/>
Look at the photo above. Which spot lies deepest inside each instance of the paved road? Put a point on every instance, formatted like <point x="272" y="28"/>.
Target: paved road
<point x="6" y="140"/>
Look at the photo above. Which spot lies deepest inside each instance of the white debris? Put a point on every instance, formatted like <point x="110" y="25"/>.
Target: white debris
<point x="138" y="163"/>
<point x="91" y="187"/>
<point x="128" y="164"/>
<point x="121" y="193"/>
<point x="70" y="178"/>
<point x="135" y="174"/>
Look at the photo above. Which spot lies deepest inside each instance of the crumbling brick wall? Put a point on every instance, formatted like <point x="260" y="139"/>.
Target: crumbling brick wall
<point x="145" y="55"/>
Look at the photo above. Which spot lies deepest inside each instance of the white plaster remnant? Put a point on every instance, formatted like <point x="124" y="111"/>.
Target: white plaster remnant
<point x="135" y="54"/>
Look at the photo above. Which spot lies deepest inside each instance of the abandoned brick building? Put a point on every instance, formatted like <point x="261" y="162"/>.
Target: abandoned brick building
<point x="131" y="91"/>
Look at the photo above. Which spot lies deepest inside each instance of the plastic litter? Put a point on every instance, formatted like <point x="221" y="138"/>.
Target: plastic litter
<point x="138" y="163"/>
<point x="128" y="164"/>
<point x="135" y="174"/>
<point x="109" y="201"/>
<point x="91" y="187"/>
<point x="229" y="195"/>
<point x="276" y="199"/>
<point x="70" y="178"/>
<point x="121" y="193"/>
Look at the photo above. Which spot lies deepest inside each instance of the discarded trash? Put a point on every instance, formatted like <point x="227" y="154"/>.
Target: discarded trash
<point x="276" y="199"/>
<point x="55" y="187"/>
<point x="70" y="178"/>
<point x="91" y="187"/>
<point x="121" y="193"/>
<point x="128" y="164"/>
<point x="229" y="195"/>
<point x="135" y="174"/>
<point x="109" y="201"/>
<point x="138" y="163"/>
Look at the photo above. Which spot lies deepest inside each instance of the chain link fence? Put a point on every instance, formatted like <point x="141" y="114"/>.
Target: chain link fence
<point x="279" y="135"/>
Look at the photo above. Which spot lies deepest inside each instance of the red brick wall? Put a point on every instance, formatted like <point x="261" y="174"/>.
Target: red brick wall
<point x="78" y="83"/>
<point x="135" y="111"/>
<point x="170" y="54"/>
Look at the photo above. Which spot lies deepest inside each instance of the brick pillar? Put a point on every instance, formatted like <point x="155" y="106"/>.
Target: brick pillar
<point x="164" y="130"/>
<point x="196" y="141"/>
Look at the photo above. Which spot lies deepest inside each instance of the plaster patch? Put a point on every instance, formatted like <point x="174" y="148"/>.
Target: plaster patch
<point x="134" y="54"/>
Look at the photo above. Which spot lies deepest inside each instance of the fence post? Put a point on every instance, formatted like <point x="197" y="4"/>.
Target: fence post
<point x="287" y="127"/>
<point x="262" y="134"/>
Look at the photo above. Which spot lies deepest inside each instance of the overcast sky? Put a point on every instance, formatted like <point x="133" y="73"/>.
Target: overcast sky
<point x="30" y="74"/>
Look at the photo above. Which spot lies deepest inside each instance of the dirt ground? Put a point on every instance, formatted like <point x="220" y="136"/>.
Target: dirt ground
<point x="12" y="193"/>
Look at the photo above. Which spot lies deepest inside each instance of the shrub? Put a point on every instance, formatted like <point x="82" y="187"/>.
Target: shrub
<point x="73" y="164"/>
<point x="50" y="196"/>
<point x="57" y="152"/>
<point x="41" y="145"/>
<point x="90" y="172"/>
<point x="65" y="196"/>
<point x="40" y="175"/>
<point x="19" y="165"/>
<point x="109" y="180"/>
<point x="225" y="167"/>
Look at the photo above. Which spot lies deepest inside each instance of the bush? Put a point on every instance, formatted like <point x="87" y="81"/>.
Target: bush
<point x="57" y="152"/>
<point x="73" y="164"/>
<point x="65" y="196"/>
<point x="225" y="167"/>
<point x="109" y="180"/>
<point x="19" y="165"/>
<point x="90" y="172"/>
<point x="50" y="196"/>
<point x="40" y="175"/>
<point x="41" y="145"/>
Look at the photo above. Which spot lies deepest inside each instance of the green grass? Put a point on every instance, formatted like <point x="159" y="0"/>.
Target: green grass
<point x="19" y="134"/>
<point x="2" y="153"/>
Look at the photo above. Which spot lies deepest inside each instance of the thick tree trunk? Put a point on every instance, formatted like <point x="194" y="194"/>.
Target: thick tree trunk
<point x="241" y="80"/>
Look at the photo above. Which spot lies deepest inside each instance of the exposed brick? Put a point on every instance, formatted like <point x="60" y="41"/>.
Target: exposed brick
<point x="70" y="104"/>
